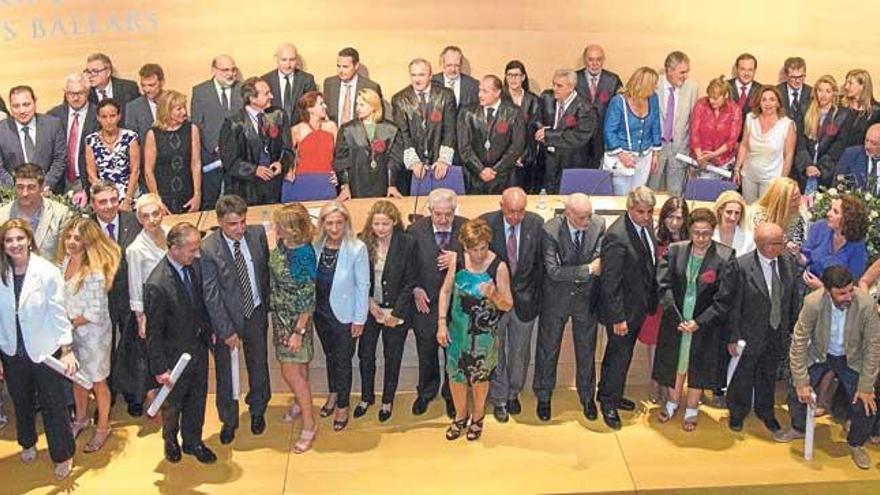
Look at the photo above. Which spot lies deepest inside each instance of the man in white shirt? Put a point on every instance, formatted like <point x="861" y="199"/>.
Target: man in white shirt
<point x="341" y="90"/>
<point x="287" y="82"/>
<point x="140" y="113"/>
<point x="465" y="87"/>
<point x="795" y="93"/>
<point x="744" y="88"/>
<point x="78" y="120"/>
<point x="31" y="137"/>
<point x="99" y="73"/>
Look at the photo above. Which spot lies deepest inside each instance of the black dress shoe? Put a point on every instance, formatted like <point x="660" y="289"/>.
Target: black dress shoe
<point x="590" y="410"/>
<point x="384" y="415"/>
<point x="611" y="418"/>
<point x="172" y="451"/>
<point x="136" y="410"/>
<point x="201" y="452"/>
<point x="420" y="406"/>
<point x="625" y="404"/>
<point x="227" y="434"/>
<point x="361" y="408"/>
<point x="735" y="425"/>
<point x="450" y="409"/>
<point x="258" y="424"/>
<point x="773" y="425"/>
<point x="543" y="410"/>
<point x="500" y="414"/>
<point x="513" y="406"/>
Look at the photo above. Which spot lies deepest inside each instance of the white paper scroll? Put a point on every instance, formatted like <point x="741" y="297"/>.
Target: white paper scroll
<point x="810" y="432"/>
<point x="723" y="172"/>
<point x="61" y="369"/>
<point x="236" y="373"/>
<point x="166" y="388"/>
<point x="734" y="360"/>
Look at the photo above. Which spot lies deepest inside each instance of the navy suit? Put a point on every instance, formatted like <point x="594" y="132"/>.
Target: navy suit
<point x="853" y="167"/>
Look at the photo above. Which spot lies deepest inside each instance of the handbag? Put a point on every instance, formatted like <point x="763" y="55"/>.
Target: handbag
<point x="612" y="163"/>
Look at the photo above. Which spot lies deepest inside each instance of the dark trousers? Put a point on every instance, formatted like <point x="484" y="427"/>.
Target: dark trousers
<point x="425" y="330"/>
<point x="861" y="425"/>
<point x="583" y="332"/>
<point x="338" y="348"/>
<point x="552" y="172"/>
<point x="756" y="374"/>
<point x="253" y="340"/>
<point x="24" y="380"/>
<point x="393" y="340"/>
<point x="184" y="409"/>
<point x="121" y="322"/>
<point x="404" y="178"/>
<point x="615" y="364"/>
<point x="212" y="183"/>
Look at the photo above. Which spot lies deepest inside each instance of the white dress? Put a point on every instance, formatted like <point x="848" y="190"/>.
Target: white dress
<point x="765" y="159"/>
<point x="142" y="256"/>
<point x="92" y="342"/>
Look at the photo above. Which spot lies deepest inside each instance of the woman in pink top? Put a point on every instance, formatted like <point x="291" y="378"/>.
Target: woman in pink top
<point x="716" y="122"/>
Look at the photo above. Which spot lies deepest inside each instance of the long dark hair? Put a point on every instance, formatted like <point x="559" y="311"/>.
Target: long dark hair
<point x="516" y="64"/>
<point x="664" y="236"/>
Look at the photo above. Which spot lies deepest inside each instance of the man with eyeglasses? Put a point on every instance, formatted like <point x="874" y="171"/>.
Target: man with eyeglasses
<point x="78" y="119"/>
<point x="859" y="166"/>
<point x="795" y="93"/>
<point x="596" y="85"/>
<point x="99" y="74"/>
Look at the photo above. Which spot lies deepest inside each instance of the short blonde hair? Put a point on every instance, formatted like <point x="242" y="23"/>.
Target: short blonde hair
<point x="372" y="98"/>
<point x="641" y="83"/>
<point x="294" y="222"/>
<point x="730" y="197"/>
<point x="718" y="87"/>
<point x="442" y="195"/>
<point x="474" y="232"/>
<point x="148" y="199"/>
<point x="328" y="209"/>
<point x="165" y="104"/>
<point x="641" y="195"/>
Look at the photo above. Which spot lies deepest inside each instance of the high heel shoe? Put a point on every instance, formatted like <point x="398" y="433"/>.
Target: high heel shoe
<point x="328" y="408"/>
<point x="291" y="414"/>
<point x="340" y="424"/>
<point x="77" y="426"/>
<point x="97" y="441"/>
<point x="306" y="437"/>
<point x="456" y="428"/>
<point x="475" y="429"/>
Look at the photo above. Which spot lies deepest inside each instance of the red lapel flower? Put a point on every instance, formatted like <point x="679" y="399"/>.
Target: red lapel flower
<point x="272" y="131"/>
<point x="831" y="129"/>
<point x="571" y="121"/>
<point x="435" y="116"/>
<point x="501" y="127"/>
<point x="708" y="277"/>
<point x="603" y="97"/>
<point x="378" y="146"/>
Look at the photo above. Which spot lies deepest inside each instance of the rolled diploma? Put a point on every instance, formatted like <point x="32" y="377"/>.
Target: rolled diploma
<point x="166" y="388"/>
<point x="734" y="360"/>
<point x="711" y="168"/>
<point x="236" y="375"/>
<point x="58" y="366"/>
<point x="811" y="429"/>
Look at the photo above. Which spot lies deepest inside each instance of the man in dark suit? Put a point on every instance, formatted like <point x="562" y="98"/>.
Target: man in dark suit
<point x="764" y="310"/>
<point x="462" y="85"/>
<point x="255" y="146"/>
<point x="628" y="293"/>
<point x="177" y="323"/>
<point x="121" y="227"/>
<point x="568" y="122"/>
<point x="212" y="101"/>
<point x="744" y="88"/>
<point x="571" y="248"/>
<point x="597" y="86"/>
<point x="859" y="166"/>
<point x="78" y="120"/>
<point x="99" y="73"/>
<point x="795" y="93"/>
<point x="140" y="113"/>
<point x="341" y="90"/>
<point x="516" y="237"/>
<point x="436" y="238"/>
<point x="31" y="137"/>
<point x="425" y="115"/>
<point x="236" y="271"/>
<point x="287" y="82"/>
<point x="491" y="138"/>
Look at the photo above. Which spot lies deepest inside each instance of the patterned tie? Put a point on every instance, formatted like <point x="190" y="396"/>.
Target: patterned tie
<point x="795" y="103"/>
<point x="244" y="280"/>
<point x="669" y="118"/>
<point x="743" y="96"/>
<point x="72" y="141"/>
<point x="111" y="231"/>
<point x="490" y="118"/>
<point x="103" y="93"/>
<point x="775" y="297"/>
<point x="442" y="238"/>
<point x="578" y="240"/>
<point x="559" y="111"/>
<point x="346" y="104"/>
<point x="224" y="99"/>
<point x="29" y="149"/>
<point x="512" y="257"/>
<point x="594" y="85"/>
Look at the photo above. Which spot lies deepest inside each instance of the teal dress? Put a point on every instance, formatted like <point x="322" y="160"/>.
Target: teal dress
<point x="292" y="292"/>
<point x="473" y="327"/>
<point x="687" y="310"/>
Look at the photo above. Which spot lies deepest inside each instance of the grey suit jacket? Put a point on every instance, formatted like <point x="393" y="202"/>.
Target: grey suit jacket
<point x="303" y="82"/>
<point x="468" y="93"/>
<point x="567" y="278"/>
<point x="54" y="217"/>
<point x="333" y="85"/>
<point x="88" y="126"/>
<point x="222" y="291"/>
<point x="51" y="149"/>
<point x="138" y="117"/>
<point x="684" y="105"/>
<point x="207" y="113"/>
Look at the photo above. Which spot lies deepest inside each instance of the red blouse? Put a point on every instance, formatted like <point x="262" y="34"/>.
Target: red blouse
<point x="709" y="131"/>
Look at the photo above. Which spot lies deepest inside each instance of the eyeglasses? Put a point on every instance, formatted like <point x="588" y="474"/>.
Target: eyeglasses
<point x="514" y="74"/>
<point x="702" y="234"/>
<point x="797" y="78"/>
<point x="94" y="72"/>
<point x="226" y="69"/>
<point x="76" y="93"/>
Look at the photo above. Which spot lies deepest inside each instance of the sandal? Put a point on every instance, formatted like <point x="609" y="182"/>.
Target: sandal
<point x="340" y="424"/>
<point x="475" y="430"/>
<point x="291" y="414"/>
<point x="306" y="437"/>
<point x="689" y="424"/>
<point x="63" y="469"/>
<point x="77" y="426"/>
<point x="664" y="415"/>
<point x="97" y="441"/>
<point x="455" y="429"/>
<point x="328" y="407"/>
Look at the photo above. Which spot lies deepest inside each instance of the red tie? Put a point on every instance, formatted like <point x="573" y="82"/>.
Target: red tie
<point x="511" y="250"/>
<point x="593" y="89"/>
<point x="743" y="96"/>
<point x="72" y="140"/>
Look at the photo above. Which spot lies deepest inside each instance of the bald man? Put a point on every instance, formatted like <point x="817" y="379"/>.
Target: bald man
<point x="571" y="263"/>
<point x="764" y="310"/>
<point x="859" y="166"/>
<point x="287" y="82"/>
<point x="212" y="101"/>
<point x="517" y="235"/>
<point x="597" y="86"/>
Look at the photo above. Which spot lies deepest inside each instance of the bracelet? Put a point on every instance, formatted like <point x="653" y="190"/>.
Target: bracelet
<point x="300" y="331"/>
<point x="442" y="318"/>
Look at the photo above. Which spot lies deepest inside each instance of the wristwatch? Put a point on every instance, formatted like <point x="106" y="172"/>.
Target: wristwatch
<point x="300" y="331"/>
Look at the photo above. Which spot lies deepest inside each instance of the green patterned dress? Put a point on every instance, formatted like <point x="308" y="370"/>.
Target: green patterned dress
<point x="687" y="310"/>
<point x="292" y="284"/>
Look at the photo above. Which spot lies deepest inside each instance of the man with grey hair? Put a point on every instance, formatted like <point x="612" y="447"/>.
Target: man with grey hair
<point x="462" y="85"/>
<point x="568" y="122"/>
<point x="678" y="95"/>
<point x="78" y="119"/>
<point x="99" y="73"/>
<point x="628" y="294"/>
<point x="287" y="82"/>
<point x="571" y="246"/>
<point x="596" y="85"/>
<point x="436" y="241"/>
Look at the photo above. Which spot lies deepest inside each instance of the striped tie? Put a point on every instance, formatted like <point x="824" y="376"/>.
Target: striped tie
<point x="244" y="281"/>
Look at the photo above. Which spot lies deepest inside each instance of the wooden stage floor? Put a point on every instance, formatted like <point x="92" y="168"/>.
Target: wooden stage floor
<point x="410" y="455"/>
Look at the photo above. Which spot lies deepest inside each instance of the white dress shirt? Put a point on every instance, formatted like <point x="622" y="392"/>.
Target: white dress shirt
<point x="454" y="85"/>
<point x="836" y="335"/>
<point x="768" y="274"/>
<point x="352" y="95"/>
<point x="282" y="83"/>
<point x="32" y="130"/>
<point x="108" y="91"/>
<point x="115" y="223"/>
<point x="220" y="90"/>
<point x="739" y="88"/>
<point x="82" y="112"/>
<point x="249" y="262"/>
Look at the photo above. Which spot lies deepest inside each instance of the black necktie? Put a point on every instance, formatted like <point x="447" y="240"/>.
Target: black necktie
<point x="187" y="280"/>
<point x="244" y="279"/>
<point x="795" y="104"/>
<point x="288" y="92"/>
<point x="647" y="243"/>
<point x="29" y="147"/>
<point x="423" y="104"/>
<point x="578" y="240"/>
<point x="224" y="99"/>
<point x="442" y="238"/>
<point x="490" y="116"/>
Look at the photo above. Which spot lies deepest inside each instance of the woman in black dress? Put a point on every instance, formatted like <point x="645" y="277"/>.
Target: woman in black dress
<point x="516" y="88"/>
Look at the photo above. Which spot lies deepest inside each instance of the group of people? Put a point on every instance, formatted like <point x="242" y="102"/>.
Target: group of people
<point x="248" y="136"/>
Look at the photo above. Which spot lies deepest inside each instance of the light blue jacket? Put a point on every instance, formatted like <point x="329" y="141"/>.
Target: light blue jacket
<point x="350" y="292"/>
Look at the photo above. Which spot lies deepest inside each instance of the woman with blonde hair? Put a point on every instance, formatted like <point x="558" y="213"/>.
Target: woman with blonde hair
<point x="767" y="148"/>
<point x="858" y="96"/>
<point x="826" y="129"/>
<point x="730" y="216"/>
<point x="342" y="297"/>
<point x="369" y="152"/>
<point x="716" y="122"/>
<point x="782" y="204"/>
<point x="292" y="302"/>
<point x="632" y="132"/>
<point x="173" y="156"/>
<point x="89" y="260"/>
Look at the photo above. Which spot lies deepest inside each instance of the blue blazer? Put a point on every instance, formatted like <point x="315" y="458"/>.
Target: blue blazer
<point x="644" y="133"/>
<point x="819" y="250"/>
<point x="350" y="292"/>
<point x="853" y="164"/>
